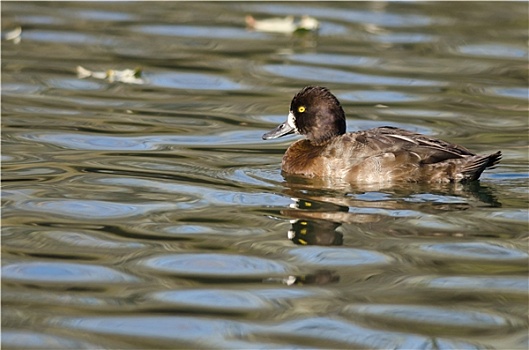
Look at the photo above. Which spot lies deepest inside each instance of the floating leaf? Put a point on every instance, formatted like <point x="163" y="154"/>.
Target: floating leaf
<point x="282" y="25"/>
<point x="129" y="76"/>
<point x="14" y="35"/>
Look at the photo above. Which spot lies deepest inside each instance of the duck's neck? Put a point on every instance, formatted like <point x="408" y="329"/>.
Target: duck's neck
<point x="323" y="139"/>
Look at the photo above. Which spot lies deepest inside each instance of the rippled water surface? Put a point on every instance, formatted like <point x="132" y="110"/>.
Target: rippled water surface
<point x="148" y="213"/>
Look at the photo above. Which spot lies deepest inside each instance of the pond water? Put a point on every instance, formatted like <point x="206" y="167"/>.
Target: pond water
<point x="148" y="213"/>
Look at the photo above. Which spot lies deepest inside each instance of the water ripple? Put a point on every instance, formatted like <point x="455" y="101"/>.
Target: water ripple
<point x="90" y="209"/>
<point x="193" y="81"/>
<point x="211" y="265"/>
<point x="375" y="14"/>
<point x="327" y="256"/>
<point x="517" y="93"/>
<point x="328" y="75"/>
<point x="493" y="285"/>
<point x="321" y="58"/>
<point x="62" y="272"/>
<point x="92" y="142"/>
<point x="184" y="31"/>
<point x="494" y="50"/>
<point x="89" y="240"/>
<point x="25" y="339"/>
<point x="339" y="334"/>
<point x="102" y="142"/>
<point x="426" y="317"/>
<point x="211" y="300"/>
<point x="475" y="251"/>
<point x="54" y="36"/>
<point x="205" y="331"/>
<point x="374" y="96"/>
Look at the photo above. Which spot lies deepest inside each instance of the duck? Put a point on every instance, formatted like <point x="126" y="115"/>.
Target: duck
<point x="384" y="154"/>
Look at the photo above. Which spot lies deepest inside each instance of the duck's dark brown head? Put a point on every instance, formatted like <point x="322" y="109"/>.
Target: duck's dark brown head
<point x="314" y="112"/>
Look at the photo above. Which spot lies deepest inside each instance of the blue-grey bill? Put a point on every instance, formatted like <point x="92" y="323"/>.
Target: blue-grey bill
<point x="280" y="130"/>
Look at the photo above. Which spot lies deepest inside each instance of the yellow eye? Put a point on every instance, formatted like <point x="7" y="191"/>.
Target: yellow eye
<point x="301" y="109"/>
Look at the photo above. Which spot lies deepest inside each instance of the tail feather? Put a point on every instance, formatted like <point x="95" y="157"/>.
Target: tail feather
<point x="494" y="159"/>
<point x="475" y="165"/>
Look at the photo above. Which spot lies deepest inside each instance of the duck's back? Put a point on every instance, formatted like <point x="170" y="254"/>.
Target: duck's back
<point x="386" y="154"/>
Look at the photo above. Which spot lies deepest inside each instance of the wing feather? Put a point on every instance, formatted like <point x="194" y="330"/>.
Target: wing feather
<point x="428" y="149"/>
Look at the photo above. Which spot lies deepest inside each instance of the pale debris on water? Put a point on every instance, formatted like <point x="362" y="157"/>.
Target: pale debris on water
<point x="283" y="25"/>
<point x="129" y="76"/>
<point x="14" y="35"/>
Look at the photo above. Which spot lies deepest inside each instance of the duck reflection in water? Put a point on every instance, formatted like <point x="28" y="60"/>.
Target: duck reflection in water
<point x="341" y="216"/>
<point x="318" y="213"/>
<point x="315" y="231"/>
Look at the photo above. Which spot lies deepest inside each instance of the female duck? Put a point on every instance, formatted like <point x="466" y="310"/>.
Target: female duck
<point x="385" y="154"/>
